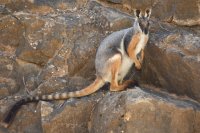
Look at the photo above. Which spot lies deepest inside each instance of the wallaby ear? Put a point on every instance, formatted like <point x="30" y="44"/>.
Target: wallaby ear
<point x="148" y="13"/>
<point x="137" y="13"/>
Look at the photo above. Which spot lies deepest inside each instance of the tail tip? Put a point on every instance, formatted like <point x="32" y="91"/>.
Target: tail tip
<point x="5" y="125"/>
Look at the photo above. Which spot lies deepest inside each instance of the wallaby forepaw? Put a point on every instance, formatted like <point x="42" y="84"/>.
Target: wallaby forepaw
<point x="138" y="66"/>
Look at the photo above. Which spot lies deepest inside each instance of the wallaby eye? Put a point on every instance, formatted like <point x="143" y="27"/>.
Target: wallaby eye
<point x="141" y="26"/>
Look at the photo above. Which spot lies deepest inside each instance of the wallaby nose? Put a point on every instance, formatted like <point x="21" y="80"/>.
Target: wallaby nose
<point x="145" y="30"/>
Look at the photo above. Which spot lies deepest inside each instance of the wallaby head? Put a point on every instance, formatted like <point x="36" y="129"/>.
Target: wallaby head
<point x="142" y="20"/>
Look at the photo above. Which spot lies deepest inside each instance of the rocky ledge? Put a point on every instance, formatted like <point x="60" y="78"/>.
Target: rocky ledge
<point x="134" y="110"/>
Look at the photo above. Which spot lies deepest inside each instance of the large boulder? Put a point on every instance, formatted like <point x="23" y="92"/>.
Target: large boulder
<point x="172" y="60"/>
<point x="72" y="116"/>
<point x="144" y="111"/>
<point x="134" y="110"/>
<point x="176" y="11"/>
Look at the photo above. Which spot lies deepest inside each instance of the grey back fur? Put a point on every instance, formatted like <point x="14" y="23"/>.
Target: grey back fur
<point x="109" y="47"/>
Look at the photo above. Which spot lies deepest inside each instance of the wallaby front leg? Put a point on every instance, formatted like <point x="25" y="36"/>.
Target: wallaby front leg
<point x="142" y="56"/>
<point x="131" y="50"/>
<point x="138" y="65"/>
<point x="136" y="61"/>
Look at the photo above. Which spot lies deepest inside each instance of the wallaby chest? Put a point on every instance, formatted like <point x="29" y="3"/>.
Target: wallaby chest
<point x="136" y="44"/>
<point x="143" y="38"/>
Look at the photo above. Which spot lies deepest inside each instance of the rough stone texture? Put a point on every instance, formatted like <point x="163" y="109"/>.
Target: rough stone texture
<point x="115" y="1"/>
<point x="50" y="46"/>
<point x="172" y="60"/>
<point x="73" y="117"/>
<point x="133" y="110"/>
<point x="143" y="111"/>
<point x="177" y="11"/>
<point x="61" y="84"/>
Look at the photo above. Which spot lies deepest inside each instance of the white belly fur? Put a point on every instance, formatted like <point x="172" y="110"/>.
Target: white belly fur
<point x="125" y="67"/>
<point x="128" y="62"/>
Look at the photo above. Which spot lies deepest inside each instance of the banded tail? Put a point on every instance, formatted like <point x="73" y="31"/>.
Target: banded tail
<point x="96" y="85"/>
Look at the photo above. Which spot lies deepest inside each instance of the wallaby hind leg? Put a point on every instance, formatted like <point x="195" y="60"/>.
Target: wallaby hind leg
<point x="115" y="67"/>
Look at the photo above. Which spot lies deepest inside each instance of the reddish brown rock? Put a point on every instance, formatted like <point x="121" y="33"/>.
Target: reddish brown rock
<point x="178" y="11"/>
<point x="43" y="7"/>
<point x="8" y="81"/>
<point x="76" y="117"/>
<point x="8" y="86"/>
<point x="142" y="111"/>
<point x="172" y="60"/>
